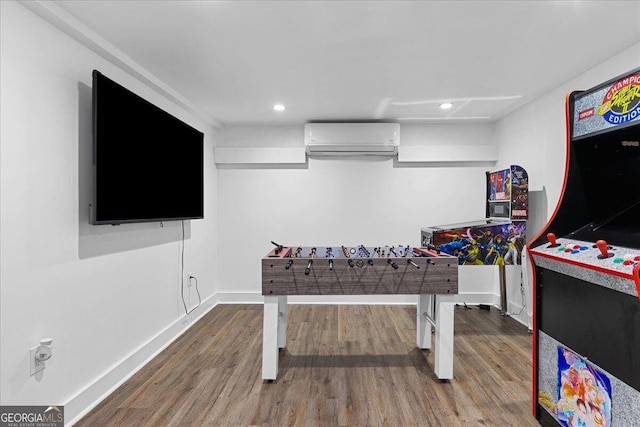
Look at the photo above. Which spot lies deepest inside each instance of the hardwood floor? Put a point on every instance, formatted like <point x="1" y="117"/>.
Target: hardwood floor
<point x="346" y="365"/>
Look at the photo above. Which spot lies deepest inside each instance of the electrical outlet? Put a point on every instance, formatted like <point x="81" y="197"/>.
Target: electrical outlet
<point x="36" y="365"/>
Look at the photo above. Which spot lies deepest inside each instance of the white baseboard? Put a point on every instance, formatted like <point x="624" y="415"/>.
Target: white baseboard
<point x="524" y="318"/>
<point x="239" y="298"/>
<point x="478" y="298"/>
<point x="494" y="301"/>
<point x="257" y="298"/>
<point x="87" y="399"/>
<point x="469" y="298"/>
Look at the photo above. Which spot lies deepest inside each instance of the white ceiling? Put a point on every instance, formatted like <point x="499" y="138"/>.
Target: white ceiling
<point x="362" y="60"/>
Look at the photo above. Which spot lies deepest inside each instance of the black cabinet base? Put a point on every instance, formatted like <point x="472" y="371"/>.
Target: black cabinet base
<point x="545" y="419"/>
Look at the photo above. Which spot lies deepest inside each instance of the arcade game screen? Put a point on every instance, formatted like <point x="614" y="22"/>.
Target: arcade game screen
<point x="610" y="173"/>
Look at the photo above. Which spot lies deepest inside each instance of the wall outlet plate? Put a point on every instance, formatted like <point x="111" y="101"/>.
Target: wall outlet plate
<point x="36" y="365"/>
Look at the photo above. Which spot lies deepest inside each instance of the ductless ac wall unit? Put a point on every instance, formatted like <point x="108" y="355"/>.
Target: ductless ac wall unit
<point x="352" y="139"/>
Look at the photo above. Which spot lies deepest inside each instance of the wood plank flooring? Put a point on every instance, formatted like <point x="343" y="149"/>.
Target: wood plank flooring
<point x="346" y="365"/>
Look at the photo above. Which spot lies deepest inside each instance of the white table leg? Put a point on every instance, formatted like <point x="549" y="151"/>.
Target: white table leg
<point x="444" y="336"/>
<point x="423" y="327"/>
<point x="270" y="337"/>
<point x="282" y="321"/>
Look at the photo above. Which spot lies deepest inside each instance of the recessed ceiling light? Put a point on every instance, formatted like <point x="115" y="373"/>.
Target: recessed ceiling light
<point x="279" y="107"/>
<point x="446" y="105"/>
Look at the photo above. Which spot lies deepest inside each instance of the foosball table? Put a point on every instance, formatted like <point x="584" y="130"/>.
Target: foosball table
<point x="361" y="270"/>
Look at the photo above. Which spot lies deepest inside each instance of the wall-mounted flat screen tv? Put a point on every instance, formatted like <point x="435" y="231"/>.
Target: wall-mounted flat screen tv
<point x="148" y="165"/>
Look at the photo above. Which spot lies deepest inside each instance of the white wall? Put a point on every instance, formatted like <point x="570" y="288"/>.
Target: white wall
<point x="337" y="201"/>
<point x="108" y="296"/>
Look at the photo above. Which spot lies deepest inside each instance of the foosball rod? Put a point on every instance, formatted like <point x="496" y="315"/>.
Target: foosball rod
<point x="409" y="261"/>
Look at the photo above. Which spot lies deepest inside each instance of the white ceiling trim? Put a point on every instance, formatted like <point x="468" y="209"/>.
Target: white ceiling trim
<point x="62" y="20"/>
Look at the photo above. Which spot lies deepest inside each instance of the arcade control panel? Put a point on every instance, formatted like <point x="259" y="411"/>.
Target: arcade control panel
<point x="358" y="270"/>
<point x="596" y="262"/>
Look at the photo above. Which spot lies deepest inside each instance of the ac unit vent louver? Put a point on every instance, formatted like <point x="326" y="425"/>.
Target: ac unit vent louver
<point x="352" y="139"/>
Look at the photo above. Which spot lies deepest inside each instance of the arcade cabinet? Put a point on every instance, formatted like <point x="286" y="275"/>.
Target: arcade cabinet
<point x="498" y="240"/>
<point x="586" y="344"/>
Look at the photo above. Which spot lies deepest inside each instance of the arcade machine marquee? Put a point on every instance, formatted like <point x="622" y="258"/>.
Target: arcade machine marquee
<point x="587" y="261"/>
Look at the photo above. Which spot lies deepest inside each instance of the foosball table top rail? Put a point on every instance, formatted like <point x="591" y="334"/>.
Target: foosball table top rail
<point x="360" y="251"/>
<point x="373" y="276"/>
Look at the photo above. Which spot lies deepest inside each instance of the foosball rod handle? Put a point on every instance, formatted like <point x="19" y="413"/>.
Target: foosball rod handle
<point x="433" y="248"/>
<point x="278" y="247"/>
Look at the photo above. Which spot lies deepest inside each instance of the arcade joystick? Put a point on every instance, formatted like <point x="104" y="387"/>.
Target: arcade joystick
<point x="603" y="248"/>
<point x="552" y="239"/>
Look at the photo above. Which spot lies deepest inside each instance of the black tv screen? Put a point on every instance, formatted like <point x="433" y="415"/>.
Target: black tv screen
<point x="148" y="165"/>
